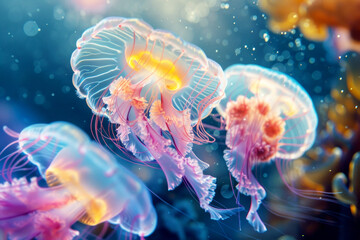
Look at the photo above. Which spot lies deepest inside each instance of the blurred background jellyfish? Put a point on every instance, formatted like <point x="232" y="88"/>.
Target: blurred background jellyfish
<point x="315" y="18"/>
<point x="268" y="115"/>
<point x="42" y="142"/>
<point x="85" y="183"/>
<point x="155" y="88"/>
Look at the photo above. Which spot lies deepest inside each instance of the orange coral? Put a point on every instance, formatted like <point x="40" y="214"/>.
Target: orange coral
<point x="313" y="17"/>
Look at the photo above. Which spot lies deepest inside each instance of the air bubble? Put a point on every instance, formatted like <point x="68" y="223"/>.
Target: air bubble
<point x="31" y="28"/>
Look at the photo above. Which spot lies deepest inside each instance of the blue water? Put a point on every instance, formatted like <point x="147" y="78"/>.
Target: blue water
<point x="37" y="38"/>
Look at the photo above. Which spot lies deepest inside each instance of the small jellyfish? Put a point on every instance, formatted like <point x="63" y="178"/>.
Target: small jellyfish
<point x="268" y="115"/>
<point x="85" y="183"/>
<point x="155" y="88"/>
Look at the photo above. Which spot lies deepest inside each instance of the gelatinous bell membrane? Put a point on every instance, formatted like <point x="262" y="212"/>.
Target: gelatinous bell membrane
<point x="42" y="142"/>
<point x="85" y="183"/>
<point x="155" y="87"/>
<point x="268" y="115"/>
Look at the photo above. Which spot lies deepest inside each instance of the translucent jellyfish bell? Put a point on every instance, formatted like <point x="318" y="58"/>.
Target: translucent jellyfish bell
<point x="285" y="97"/>
<point x="85" y="183"/>
<point x="42" y="142"/>
<point x="109" y="190"/>
<point x="130" y="48"/>
<point x="268" y="115"/>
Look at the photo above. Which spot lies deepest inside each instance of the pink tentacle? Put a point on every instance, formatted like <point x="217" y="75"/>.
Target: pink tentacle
<point x="10" y="132"/>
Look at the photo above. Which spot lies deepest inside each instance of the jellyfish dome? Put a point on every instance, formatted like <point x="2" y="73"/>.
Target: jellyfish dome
<point x="122" y="54"/>
<point x="268" y="115"/>
<point x="86" y="184"/>
<point x="42" y="142"/>
<point x="156" y="88"/>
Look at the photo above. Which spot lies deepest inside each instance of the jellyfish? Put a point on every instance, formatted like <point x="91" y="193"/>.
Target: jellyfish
<point x="155" y="88"/>
<point x="268" y="116"/>
<point x="314" y="18"/>
<point x="42" y="142"/>
<point x="85" y="183"/>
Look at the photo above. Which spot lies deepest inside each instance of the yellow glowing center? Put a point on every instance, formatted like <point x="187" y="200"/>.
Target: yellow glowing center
<point x="95" y="208"/>
<point x="287" y="106"/>
<point x="261" y="88"/>
<point x="165" y="69"/>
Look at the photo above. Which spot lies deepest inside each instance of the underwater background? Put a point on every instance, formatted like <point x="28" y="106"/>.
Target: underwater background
<point x="39" y="36"/>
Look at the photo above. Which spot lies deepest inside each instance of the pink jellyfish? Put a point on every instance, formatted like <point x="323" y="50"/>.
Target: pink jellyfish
<point x="85" y="183"/>
<point x="268" y="115"/>
<point x="156" y="88"/>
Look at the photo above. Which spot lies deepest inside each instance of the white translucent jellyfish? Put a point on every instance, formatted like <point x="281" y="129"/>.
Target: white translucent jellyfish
<point x="156" y="88"/>
<point x="268" y="115"/>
